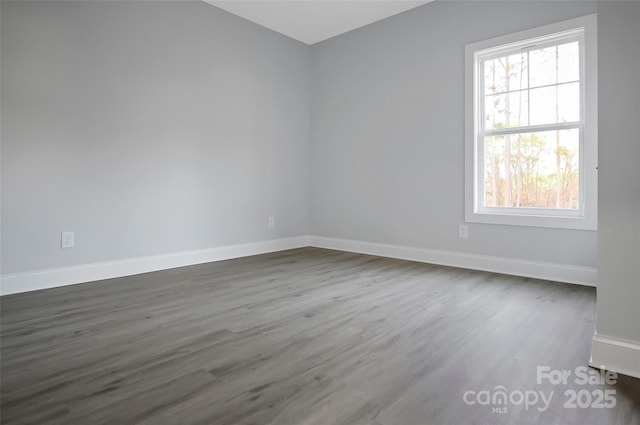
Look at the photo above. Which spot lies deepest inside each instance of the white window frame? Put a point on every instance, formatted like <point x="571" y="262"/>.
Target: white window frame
<point x="585" y="217"/>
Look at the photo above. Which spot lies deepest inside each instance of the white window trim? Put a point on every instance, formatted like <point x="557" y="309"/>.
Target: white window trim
<point x="587" y="218"/>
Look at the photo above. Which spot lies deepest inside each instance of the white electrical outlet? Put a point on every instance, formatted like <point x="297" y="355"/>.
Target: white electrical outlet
<point x="67" y="240"/>
<point x="463" y="231"/>
<point x="271" y="222"/>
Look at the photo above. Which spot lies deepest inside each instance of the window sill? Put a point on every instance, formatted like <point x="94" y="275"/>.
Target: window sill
<point x="575" y="223"/>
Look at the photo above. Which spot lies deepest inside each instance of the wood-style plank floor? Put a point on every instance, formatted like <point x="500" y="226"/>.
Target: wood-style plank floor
<point x="306" y="336"/>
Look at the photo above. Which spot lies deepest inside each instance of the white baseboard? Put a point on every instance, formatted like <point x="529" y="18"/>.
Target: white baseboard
<point x="616" y="355"/>
<point x="540" y="270"/>
<point x="51" y="278"/>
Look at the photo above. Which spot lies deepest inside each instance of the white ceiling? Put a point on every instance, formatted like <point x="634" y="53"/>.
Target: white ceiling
<point x="311" y="21"/>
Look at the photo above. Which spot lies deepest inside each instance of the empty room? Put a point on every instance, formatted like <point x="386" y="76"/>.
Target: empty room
<point x="355" y="212"/>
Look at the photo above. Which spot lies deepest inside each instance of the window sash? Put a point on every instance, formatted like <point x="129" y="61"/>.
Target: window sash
<point x="480" y="189"/>
<point x="480" y="57"/>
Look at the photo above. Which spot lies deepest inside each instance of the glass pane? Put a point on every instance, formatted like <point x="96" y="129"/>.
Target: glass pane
<point x="504" y="74"/>
<point x="542" y="63"/>
<point x="532" y="170"/>
<point x="506" y="110"/>
<point x="568" y="62"/>
<point x="551" y="105"/>
<point x="569" y="102"/>
<point x="544" y="104"/>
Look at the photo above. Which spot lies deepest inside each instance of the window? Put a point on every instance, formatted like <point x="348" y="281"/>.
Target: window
<point x="531" y="136"/>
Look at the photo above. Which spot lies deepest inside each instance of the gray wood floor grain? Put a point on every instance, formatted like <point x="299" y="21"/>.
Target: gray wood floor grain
<point x="306" y="336"/>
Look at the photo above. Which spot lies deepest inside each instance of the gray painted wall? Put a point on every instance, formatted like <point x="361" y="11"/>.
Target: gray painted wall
<point x="388" y="132"/>
<point x="147" y="128"/>
<point x="619" y="171"/>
